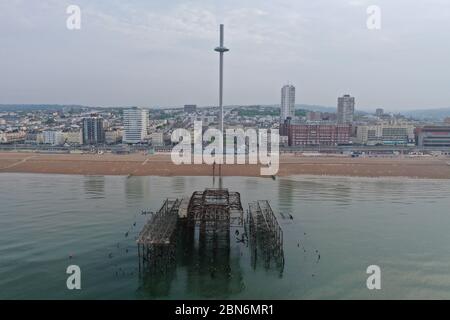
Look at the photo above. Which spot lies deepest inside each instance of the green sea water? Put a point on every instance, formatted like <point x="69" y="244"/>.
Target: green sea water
<point x="48" y="222"/>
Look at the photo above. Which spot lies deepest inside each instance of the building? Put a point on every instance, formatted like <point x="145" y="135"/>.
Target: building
<point x="284" y="141"/>
<point x="313" y="116"/>
<point x="385" y="134"/>
<point x="345" y="109"/>
<point x="40" y="138"/>
<point x="287" y="109"/>
<point x="73" y="137"/>
<point x="190" y="108"/>
<point x="113" y="136"/>
<point x="93" y="132"/>
<point x="157" y="138"/>
<point x="53" y="137"/>
<point x="31" y="136"/>
<point x="433" y="136"/>
<point x="317" y="134"/>
<point x="447" y="120"/>
<point x="329" y="116"/>
<point x="206" y="120"/>
<point x="135" y="122"/>
<point x="12" y="137"/>
<point x="320" y="117"/>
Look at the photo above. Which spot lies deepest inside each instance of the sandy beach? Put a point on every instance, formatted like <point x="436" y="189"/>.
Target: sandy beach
<point x="161" y="165"/>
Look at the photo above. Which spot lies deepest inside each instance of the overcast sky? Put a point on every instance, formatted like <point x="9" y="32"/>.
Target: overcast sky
<point x="160" y="53"/>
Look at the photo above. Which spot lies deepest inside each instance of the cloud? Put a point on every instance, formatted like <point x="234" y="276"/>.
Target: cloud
<point x="142" y="52"/>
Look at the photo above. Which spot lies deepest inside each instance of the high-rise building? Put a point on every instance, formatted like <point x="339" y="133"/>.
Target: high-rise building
<point x="93" y="132"/>
<point x="345" y="109"/>
<point x="135" y="121"/>
<point x="287" y="103"/>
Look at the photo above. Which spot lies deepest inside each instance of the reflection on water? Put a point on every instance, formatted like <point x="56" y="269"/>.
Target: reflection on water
<point x="286" y="189"/>
<point x="205" y="273"/>
<point x="179" y="184"/>
<point x="339" y="226"/>
<point x="320" y="190"/>
<point x="94" y="187"/>
<point x="136" y="188"/>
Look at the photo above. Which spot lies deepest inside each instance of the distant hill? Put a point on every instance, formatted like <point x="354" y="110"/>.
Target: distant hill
<point x="312" y="107"/>
<point x="436" y="114"/>
<point x="34" y="107"/>
<point x="428" y="114"/>
<point x="307" y="107"/>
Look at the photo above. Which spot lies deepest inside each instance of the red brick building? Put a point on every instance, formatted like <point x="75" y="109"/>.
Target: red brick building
<point x="318" y="134"/>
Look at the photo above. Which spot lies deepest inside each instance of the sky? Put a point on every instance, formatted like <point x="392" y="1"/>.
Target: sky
<point x="161" y="53"/>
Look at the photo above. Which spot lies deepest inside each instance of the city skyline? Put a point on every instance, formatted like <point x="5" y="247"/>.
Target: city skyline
<point x="138" y="54"/>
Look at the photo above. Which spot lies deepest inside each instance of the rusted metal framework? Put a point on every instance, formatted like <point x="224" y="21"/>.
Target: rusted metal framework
<point x="212" y="212"/>
<point x="201" y="225"/>
<point x="266" y="235"/>
<point x="157" y="240"/>
<point x="215" y="205"/>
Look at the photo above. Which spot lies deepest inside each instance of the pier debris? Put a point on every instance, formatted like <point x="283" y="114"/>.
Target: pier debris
<point x="157" y="238"/>
<point x="266" y="235"/>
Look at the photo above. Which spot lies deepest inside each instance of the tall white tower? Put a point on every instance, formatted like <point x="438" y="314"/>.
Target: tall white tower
<point x="135" y="123"/>
<point x="345" y="109"/>
<point x="287" y="102"/>
<point x="221" y="49"/>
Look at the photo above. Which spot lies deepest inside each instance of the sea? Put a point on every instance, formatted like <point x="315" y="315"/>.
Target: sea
<point x="334" y="229"/>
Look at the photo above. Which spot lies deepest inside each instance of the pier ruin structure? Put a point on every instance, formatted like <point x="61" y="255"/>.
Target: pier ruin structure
<point x="201" y="226"/>
<point x="265" y="235"/>
<point x="157" y="240"/>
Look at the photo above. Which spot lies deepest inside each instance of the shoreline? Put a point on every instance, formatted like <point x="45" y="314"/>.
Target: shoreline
<point x="161" y="165"/>
<point x="233" y="176"/>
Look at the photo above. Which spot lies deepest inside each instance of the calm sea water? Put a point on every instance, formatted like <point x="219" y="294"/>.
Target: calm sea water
<point x="48" y="222"/>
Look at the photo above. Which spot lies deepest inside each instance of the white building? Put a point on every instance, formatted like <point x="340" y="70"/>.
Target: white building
<point x="345" y="109"/>
<point x="385" y="134"/>
<point x="53" y="137"/>
<point x="135" y="122"/>
<point x="287" y="102"/>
